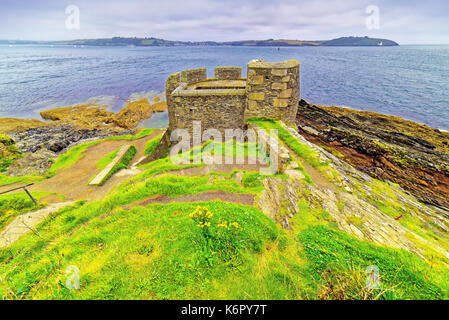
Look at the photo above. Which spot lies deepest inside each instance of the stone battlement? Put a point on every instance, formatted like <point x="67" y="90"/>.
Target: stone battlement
<point x="226" y="101"/>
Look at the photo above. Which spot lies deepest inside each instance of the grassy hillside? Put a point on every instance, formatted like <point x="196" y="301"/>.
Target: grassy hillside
<point x="358" y="41"/>
<point x="130" y="246"/>
<point x="151" y="42"/>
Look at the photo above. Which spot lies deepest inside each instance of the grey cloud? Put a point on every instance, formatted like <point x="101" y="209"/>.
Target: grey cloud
<point x="401" y="20"/>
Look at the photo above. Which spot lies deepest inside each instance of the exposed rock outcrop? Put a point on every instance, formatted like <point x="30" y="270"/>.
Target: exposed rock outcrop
<point x="359" y="205"/>
<point x="42" y="145"/>
<point x="385" y="147"/>
<point x="136" y="111"/>
<point x="83" y="116"/>
<point x="42" y="142"/>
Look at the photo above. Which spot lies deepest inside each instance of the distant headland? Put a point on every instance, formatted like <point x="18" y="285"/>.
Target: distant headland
<point x="155" y="42"/>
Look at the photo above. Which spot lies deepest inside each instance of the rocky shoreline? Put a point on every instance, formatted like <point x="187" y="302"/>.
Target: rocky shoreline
<point x="385" y="147"/>
<point x="38" y="143"/>
<point x="388" y="148"/>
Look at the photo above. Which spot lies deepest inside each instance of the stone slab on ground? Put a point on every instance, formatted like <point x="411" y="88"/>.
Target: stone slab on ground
<point x="26" y="223"/>
<point x="100" y="177"/>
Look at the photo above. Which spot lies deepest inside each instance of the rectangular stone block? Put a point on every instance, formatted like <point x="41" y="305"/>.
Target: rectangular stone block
<point x="286" y="93"/>
<point x="259" y="96"/>
<point x="286" y="79"/>
<point x="256" y="80"/>
<point x="280" y="103"/>
<point x="279" y="86"/>
<point x="279" y="72"/>
<point x="253" y="105"/>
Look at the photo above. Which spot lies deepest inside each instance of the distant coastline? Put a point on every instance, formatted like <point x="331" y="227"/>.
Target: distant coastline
<point x="155" y="42"/>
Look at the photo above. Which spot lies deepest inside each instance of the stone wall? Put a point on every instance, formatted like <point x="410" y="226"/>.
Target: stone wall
<point x="160" y="150"/>
<point x="171" y="84"/>
<point x="218" y="109"/>
<point x="228" y="73"/>
<point x="278" y="154"/>
<point x="273" y="90"/>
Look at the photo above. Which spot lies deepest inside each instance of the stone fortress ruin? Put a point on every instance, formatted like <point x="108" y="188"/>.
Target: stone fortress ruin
<point x="226" y="101"/>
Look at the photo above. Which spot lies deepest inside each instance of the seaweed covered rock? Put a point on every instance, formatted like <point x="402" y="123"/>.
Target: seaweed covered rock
<point x="83" y="116"/>
<point x="130" y="116"/>
<point x="386" y="147"/>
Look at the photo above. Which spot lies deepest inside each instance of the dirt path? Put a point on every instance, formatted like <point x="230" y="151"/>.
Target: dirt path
<point x="72" y="183"/>
<point x="317" y="177"/>
<point x="26" y="223"/>
<point x="246" y="199"/>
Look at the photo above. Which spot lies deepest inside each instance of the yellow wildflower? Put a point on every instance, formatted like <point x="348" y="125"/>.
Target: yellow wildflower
<point x="222" y="224"/>
<point x="235" y="225"/>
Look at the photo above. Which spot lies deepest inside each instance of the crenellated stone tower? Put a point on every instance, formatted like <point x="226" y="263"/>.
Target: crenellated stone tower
<point x="273" y="90"/>
<point x="227" y="100"/>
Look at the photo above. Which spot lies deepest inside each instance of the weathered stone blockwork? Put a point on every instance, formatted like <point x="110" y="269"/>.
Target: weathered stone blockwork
<point x="273" y="90"/>
<point x="228" y="100"/>
<point x="228" y="73"/>
<point x="193" y="75"/>
<point x="216" y="109"/>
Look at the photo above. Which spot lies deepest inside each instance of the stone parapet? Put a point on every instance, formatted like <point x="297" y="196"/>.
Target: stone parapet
<point x="194" y="75"/>
<point x="228" y="73"/>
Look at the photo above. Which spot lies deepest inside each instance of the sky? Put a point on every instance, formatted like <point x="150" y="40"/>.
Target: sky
<point x="405" y="21"/>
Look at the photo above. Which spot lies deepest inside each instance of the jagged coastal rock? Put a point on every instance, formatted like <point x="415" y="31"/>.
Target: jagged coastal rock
<point x="356" y="202"/>
<point x="39" y="143"/>
<point x="385" y="147"/>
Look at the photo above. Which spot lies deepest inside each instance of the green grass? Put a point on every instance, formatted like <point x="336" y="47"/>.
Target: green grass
<point x="324" y="248"/>
<point x="73" y="155"/>
<point x="8" y="152"/>
<point x="300" y="149"/>
<point x="156" y="252"/>
<point x="252" y="180"/>
<point x="107" y="159"/>
<point x="239" y="150"/>
<point x="6" y="180"/>
<point x="161" y="251"/>
<point x="142" y="134"/>
<point x="152" y="144"/>
<point x="158" y="167"/>
<point x="122" y="164"/>
<point x="403" y="271"/>
<point x="12" y="205"/>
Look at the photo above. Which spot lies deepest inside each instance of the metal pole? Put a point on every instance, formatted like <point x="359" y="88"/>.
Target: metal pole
<point x="29" y="194"/>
